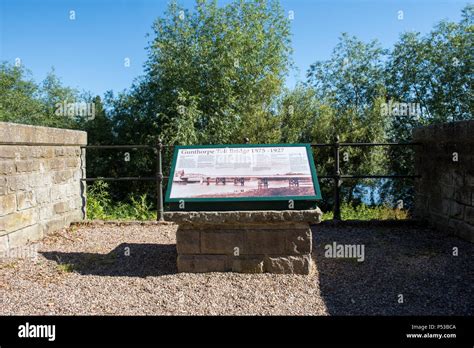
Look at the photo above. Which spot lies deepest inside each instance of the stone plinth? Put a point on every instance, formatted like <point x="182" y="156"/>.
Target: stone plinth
<point x="245" y="241"/>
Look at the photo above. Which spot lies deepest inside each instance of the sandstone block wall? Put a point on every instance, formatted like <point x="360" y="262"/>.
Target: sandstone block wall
<point x="40" y="187"/>
<point x="445" y="192"/>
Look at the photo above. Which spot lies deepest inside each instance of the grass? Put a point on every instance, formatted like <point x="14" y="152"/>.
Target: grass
<point x="66" y="267"/>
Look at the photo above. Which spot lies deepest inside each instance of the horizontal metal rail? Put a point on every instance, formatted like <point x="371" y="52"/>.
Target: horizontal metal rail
<point x="119" y="147"/>
<point x="342" y="176"/>
<point x="125" y="178"/>
<point x="364" y="144"/>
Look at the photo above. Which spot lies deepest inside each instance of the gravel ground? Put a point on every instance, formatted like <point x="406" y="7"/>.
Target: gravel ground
<point x="130" y="270"/>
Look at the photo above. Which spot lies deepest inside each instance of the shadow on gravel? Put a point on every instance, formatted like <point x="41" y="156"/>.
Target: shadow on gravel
<point x="414" y="262"/>
<point x="131" y="260"/>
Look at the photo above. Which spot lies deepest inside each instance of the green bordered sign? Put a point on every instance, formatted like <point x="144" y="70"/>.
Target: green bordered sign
<point x="243" y="177"/>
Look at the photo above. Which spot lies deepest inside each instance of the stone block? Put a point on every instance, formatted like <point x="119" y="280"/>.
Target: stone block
<point x="462" y="195"/>
<point x="8" y="152"/>
<point x="3" y="186"/>
<point x="312" y="216"/>
<point x="53" y="225"/>
<point x="61" y="207"/>
<point x="18" y="220"/>
<point x="75" y="203"/>
<point x="39" y="180"/>
<point x="3" y="244"/>
<point x="73" y="162"/>
<point x="62" y="176"/>
<point x="470" y="180"/>
<point x="248" y="264"/>
<point x="43" y="195"/>
<point x="288" y="264"/>
<point x="202" y="263"/>
<point x="7" y="167"/>
<point x="188" y="241"/>
<point x="25" y="200"/>
<point x="469" y="215"/>
<point x="456" y="210"/>
<point x="27" y="166"/>
<point x="44" y="152"/>
<point x="58" y="192"/>
<point x="440" y="206"/>
<point x="73" y="216"/>
<point x="46" y="212"/>
<point x="458" y="178"/>
<point x="19" y="133"/>
<point x="59" y="151"/>
<point x="299" y="241"/>
<point x="7" y="204"/>
<point x="446" y="178"/>
<point x="79" y="174"/>
<point x="18" y="183"/>
<point x="462" y="229"/>
<point x="56" y="164"/>
<point x="266" y="241"/>
<point x="225" y="241"/>
<point x="25" y="235"/>
<point x="446" y="191"/>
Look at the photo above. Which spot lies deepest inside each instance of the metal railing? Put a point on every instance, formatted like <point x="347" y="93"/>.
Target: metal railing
<point x="336" y="177"/>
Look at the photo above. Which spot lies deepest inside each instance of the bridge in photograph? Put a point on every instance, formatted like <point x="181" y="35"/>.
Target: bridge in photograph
<point x="263" y="181"/>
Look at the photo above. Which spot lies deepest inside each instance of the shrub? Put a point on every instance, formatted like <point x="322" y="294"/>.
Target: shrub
<point x="366" y="212"/>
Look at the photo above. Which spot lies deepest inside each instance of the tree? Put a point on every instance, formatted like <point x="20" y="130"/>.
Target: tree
<point x="18" y="96"/>
<point x="435" y="72"/>
<point x="212" y="73"/>
<point x="349" y="91"/>
<point x="24" y="101"/>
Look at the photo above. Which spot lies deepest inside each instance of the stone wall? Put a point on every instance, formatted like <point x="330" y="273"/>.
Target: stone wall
<point x="445" y="192"/>
<point x="40" y="187"/>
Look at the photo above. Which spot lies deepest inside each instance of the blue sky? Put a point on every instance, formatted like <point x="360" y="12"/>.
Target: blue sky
<point x="88" y="53"/>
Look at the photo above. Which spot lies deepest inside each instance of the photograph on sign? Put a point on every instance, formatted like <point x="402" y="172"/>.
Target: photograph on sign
<point x="242" y="172"/>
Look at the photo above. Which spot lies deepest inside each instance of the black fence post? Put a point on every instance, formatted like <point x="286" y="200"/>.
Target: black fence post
<point x="337" y="181"/>
<point x="159" y="182"/>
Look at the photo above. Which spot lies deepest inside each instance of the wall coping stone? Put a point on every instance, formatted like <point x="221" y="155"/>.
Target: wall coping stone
<point x="258" y="216"/>
<point x="20" y="134"/>
<point x="458" y="132"/>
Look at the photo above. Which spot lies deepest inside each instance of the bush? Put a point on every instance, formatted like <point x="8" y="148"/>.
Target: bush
<point x="100" y="205"/>
<point x="366" y="212"/>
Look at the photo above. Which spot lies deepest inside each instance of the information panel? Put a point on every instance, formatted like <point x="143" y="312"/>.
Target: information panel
<point x="243" y="173"/>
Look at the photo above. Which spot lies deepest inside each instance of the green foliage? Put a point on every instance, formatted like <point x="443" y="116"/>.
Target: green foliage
<point x="98" y="200"/>
<point x="211" y="75"/>
<point x="101" y="206"/>
<point x="24" y="101"/>
<point x="66" y="267"/>
<point x="435" y="71"/>
<point x="366" y="212"/>
<point x="342" y="98"/>
<point x="18" y="95"/>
